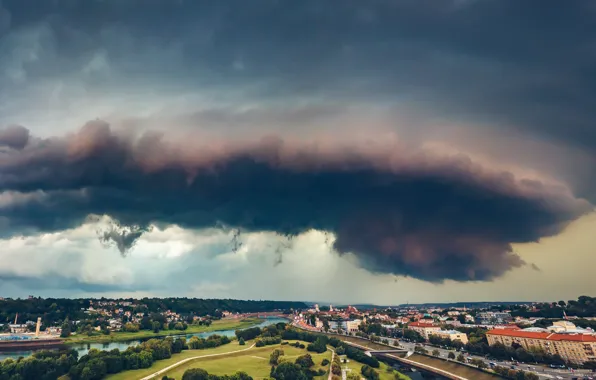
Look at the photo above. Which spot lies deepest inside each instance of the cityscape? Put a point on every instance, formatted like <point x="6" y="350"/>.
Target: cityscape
<point x="520" y="340"/>
<point x="297" y="189"/>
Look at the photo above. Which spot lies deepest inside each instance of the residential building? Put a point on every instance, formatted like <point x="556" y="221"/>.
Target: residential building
<point x="18" y="329"/>
<point x="451" y="335"/>
<point x="352" y="326"/>
<point x="566" y="327"/>
<point x="424" y="328"/>
<point x="576" y="348"/>
<point x="493" y="318"/>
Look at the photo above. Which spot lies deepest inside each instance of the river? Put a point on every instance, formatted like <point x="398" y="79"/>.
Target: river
<point x="85" y="347"/>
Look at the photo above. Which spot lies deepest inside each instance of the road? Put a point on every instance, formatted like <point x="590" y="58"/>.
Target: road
<point x="168" y="368"/>
<point x="544" y="372"/>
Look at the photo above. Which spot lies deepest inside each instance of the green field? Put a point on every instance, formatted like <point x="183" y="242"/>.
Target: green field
<point x="161" y="364"/>
<point x="225" y="324"/>
<point x="255" y="362"/>
<point x="385" y="371"/>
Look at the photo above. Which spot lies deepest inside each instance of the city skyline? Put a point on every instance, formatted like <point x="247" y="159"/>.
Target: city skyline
<point x="374" y="153"/>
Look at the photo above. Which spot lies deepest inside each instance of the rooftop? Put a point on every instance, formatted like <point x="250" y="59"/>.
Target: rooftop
<point x="543" y="335"/>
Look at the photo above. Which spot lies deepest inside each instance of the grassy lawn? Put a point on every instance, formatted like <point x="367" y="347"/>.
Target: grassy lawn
<point x="161" y="364"/>
<point x="255" y="362"/>
<point x="225" y="324"/>
<point x="455" y="368"/>
<point x="385" y="371"/>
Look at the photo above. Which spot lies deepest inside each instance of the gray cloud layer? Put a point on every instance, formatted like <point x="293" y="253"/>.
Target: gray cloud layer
<point x="511" y="66"/>
<point x="527" y="64"/>
<point x="398" y="210"/>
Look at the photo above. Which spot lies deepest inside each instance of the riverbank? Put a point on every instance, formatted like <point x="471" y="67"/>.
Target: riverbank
<point x="222" y="324"/>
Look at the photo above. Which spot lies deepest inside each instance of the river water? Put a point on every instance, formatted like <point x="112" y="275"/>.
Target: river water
<point x="84" y="348"/>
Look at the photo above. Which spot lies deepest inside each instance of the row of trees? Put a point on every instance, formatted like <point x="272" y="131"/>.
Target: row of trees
<point x="516" y="375"/>
<point x="201" y="374"/>
<point x="55" y="310"/>
<point x="300" y="369"/>
<point x="212" y="341"/>
<point x="50" y="365"/>
<point x="584" y="306"/>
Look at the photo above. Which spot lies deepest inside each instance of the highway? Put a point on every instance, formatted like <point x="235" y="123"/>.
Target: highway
<point x="544" y="372"/>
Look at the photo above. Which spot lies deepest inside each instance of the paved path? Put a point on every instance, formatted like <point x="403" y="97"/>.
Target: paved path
<point x="330" y="364"/>
<point x="162" y="371"/>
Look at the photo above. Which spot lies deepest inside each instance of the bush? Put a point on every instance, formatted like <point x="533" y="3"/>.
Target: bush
<point x="319" y="345"/>
<point x="274" y="357"/>
<point x="248" y="334"/>
<point x="305" y="361"/>
<point x="241" y="341"/>
<point x="259" y="343"/>
<point x="325" y="362"/>
<point x="369" y="373"/>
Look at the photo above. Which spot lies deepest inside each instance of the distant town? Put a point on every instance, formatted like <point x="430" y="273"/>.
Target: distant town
<point x="513" y="340"/>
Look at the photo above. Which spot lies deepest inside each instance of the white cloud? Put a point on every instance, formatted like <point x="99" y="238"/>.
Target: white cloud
<point x="179" y="262"/>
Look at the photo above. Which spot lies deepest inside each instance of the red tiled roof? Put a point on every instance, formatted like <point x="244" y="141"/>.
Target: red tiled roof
<point x="422" y="324"/>
<point x="543" y="335"/>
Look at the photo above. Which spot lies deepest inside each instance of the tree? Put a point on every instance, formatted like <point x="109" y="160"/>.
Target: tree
<point x="241" y="341"/>
<point x="325" y="362"/>
<point x="131" y="327"/>
<point x="461" y="358"/>
<point x="305" y="361"/>
<point x="65" y="329"/>
<point x="353" y="376"/>
<point x="195" y="374"/>
<point x="97" y="369"/>
<point x="325" y="324"/>
<point x="369" y="373"/>
<point x="436" y="352"/>
<point x="274" y="357"/>
<point x="319" y="345"/>
<point x="286" y="371"/>
<point x="155" y="326"/>
<point x="531" y="376"/>
<point x="451" y="355"/>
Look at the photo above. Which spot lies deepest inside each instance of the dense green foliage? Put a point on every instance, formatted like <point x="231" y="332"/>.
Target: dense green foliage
<point x="369" y="373"/>
<point x="268" y="341"/>
<point x="584" y="306"/>
<point x="318" y="346"/>
<point x="50" y="365"/>
<point x="201" y="374"/>
<point x="56" y="310"/>
<point x="212" y="341"/>
<point x="513" y="374"/>
<point x="352" y="353"/>
<point x="248" y="334"/>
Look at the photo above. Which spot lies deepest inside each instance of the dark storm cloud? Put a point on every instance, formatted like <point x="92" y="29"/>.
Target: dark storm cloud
<point x="15" y="137"/>
<point x="399" y="211"/>
<point x="525" y="64"/>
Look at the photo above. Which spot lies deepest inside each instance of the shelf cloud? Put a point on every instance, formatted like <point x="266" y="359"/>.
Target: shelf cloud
<point x="399" y="210"/>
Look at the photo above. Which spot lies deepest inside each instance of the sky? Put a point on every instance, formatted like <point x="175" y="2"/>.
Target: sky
<point x="340" y="151"/>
